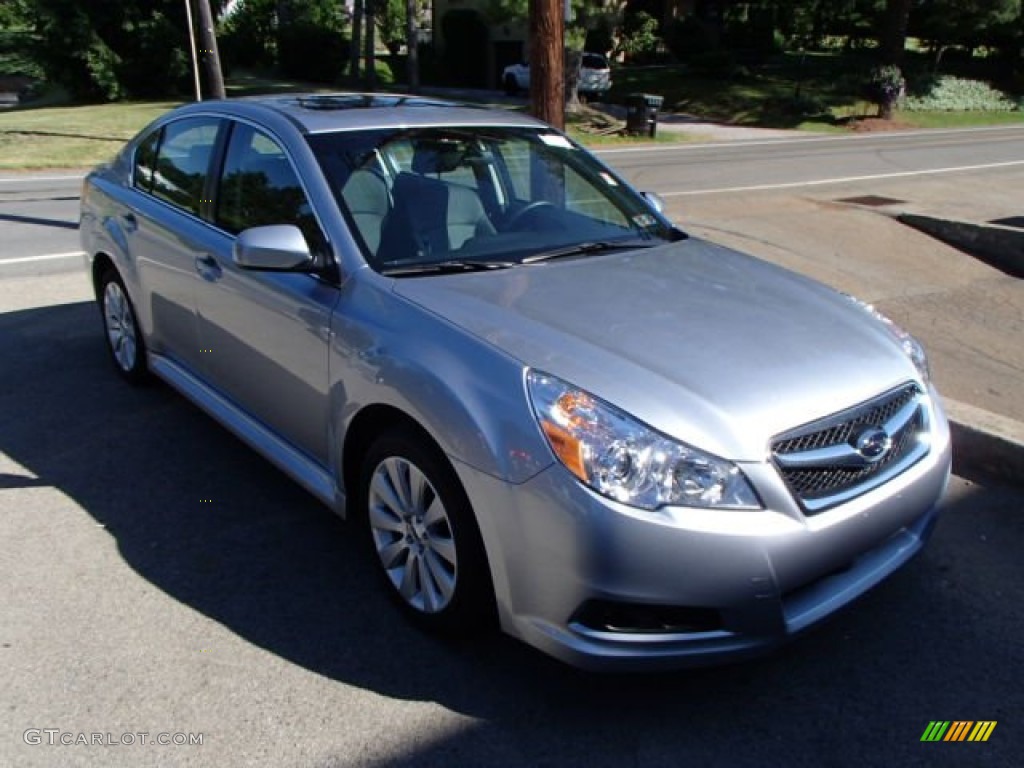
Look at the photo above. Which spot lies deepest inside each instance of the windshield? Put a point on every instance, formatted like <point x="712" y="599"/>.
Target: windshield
<point x="479" y="195"/>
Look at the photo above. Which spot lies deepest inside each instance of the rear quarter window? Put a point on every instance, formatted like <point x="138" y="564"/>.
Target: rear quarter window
<point x="145" y="162"/>
<point x="183" y="161"/>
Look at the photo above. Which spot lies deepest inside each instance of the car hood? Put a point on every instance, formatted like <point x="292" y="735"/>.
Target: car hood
<point x="710" y="346"/>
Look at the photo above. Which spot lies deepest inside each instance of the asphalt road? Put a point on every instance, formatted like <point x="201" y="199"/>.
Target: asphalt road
<point x="39" y="212"/>
<point x="693" y="169"/>
<point x="156" y="576"/>
<point x="38" y="218"/>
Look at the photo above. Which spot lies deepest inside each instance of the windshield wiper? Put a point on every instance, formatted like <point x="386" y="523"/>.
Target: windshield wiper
<point x="595" y="246"/>
<point x="445" y="267"/>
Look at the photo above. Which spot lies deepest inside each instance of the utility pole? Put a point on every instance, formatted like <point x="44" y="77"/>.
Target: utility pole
<point x="192" y="45"/>
<point x="547" y="65"/>
<point x="208" y="49"/>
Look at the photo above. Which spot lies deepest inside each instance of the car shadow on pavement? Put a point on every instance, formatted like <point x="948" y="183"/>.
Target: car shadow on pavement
<point x="207" y="521"/>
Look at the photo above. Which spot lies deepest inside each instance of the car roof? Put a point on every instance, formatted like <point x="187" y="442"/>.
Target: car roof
<point x="329" y="112"/>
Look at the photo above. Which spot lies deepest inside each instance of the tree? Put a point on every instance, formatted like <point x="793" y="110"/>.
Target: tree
<point x="547" y="82"/>
<point x="358" y="6"/>
<point x="391" y="17"/>
<point x="412" y="45"/>
<point x="105" y="50"/>
<point x="370" y="9"/>
<point x="970" y="23"/>
<point x="893" y="38"/>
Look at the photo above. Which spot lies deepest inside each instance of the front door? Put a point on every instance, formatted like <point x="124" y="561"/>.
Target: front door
<point x="265" y="334"/>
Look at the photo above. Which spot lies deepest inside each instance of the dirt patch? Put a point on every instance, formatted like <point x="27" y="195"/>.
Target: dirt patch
<point x="874" y="124"/>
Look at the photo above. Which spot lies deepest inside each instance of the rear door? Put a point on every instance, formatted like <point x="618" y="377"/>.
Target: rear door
<point x="166" y="235"/>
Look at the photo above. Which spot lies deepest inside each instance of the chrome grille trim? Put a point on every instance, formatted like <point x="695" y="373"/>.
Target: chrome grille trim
<point x="820" y="461"/>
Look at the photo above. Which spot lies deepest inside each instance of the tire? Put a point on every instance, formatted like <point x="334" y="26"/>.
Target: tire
<point x="511" y="87"/>
<point x="121" y="329"/>
<point x="423" y="535"/>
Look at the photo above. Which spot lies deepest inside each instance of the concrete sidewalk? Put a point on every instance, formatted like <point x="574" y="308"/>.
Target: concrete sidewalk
<point x="968" y="313"/>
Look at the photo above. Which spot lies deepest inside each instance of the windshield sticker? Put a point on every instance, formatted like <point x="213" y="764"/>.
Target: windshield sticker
<point x="609" y="180"/>
<point x="644" y="220"/>
<point x="554" y="140"/>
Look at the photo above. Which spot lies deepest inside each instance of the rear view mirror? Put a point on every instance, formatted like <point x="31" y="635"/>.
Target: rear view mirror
<point x="280" y="247"/>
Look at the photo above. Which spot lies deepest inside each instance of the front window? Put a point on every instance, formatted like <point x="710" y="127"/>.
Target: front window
<point x="479" y="196"/>
<point x="258" y="186"/>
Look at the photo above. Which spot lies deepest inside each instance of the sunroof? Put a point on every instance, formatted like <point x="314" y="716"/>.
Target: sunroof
<point x="367" y="101"/>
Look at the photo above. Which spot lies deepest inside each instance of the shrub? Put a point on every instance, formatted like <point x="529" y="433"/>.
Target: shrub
<point x="717" y="64"/>
<point x="313" y="53"/>
<point x="639" y="38"/>
<point x="687" y="38"/>
<point x="954" y="94"/>
<point x="884" y="87"/>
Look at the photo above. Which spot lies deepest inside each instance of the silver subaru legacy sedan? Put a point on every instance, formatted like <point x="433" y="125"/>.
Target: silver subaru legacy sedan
<point x="543" y="405"/>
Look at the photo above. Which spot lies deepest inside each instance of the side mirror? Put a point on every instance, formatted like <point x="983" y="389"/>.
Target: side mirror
<point x="655" y="201"/>
<point x="279" y="248"/>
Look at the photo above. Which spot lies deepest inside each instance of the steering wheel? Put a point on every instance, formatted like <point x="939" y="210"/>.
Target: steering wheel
<point x="536" y="205"/>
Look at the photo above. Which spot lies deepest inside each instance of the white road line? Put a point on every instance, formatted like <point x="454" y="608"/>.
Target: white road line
<point x="797" y="139"/>
<point x="842" y="179"/>
<point x="44" y="257"/>
<point x="33" y="179"/>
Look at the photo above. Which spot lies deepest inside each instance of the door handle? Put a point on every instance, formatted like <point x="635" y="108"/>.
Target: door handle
<point x="207" y="267"/>
<point x="130" y="222"/>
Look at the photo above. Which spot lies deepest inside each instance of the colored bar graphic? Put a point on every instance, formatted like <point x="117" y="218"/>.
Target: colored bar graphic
<point x="982" y="730"/>
<point x="958" y="730"/>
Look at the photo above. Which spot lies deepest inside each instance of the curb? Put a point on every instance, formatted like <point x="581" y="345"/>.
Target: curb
<point x="985" y="445"/>
<point x="1002" y="247"/>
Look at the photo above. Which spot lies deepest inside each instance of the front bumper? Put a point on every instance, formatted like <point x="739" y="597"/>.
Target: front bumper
<point x="766" y="575"/>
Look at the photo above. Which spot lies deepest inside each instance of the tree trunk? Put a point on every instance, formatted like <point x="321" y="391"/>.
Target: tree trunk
<point x="355" y="52"/>
<point x="894" y="31"/>
<point x="210" y="54"/>
<point x="370" y="39"/>
<point x="547" y="84"/>
<point x="412" y="42"/>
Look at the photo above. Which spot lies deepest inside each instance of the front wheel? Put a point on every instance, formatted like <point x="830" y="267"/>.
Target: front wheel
<point x="124" y="340"/>
<point x="511" y="86"/>
<point x="424" y="535"/>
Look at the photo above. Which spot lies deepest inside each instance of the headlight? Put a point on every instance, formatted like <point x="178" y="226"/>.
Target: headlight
<point x="911" y="346"/>
<point x="621" y="458"/>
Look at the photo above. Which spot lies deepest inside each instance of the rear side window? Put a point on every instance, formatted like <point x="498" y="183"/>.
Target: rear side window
<point x="182" y="162"/>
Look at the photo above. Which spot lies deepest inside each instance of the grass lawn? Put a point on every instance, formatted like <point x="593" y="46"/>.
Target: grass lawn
<point x="959" y="119"/>
<point x="70" y="137"/>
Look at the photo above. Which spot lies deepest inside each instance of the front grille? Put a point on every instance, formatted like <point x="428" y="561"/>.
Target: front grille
<point x="821" y="464"/>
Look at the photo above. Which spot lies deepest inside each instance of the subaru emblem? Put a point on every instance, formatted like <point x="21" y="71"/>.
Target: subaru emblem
<point x="874" y="444"/>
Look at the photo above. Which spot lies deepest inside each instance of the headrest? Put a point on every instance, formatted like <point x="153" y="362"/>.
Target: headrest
<point x="433" y="156"/>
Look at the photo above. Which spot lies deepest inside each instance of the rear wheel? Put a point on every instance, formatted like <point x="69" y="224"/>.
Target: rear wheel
<point x="511" y="87"/>
<point x="424" y="535"/>
<point x="124" y="341"/>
